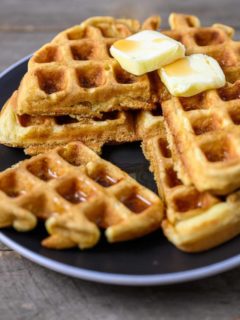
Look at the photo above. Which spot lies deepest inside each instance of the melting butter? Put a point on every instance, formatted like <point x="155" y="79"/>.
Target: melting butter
<point x="191" y="75"/>
<point x="146" y="51"/>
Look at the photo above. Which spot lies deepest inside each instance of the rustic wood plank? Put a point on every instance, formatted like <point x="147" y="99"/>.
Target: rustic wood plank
<point x="56" y="15"/>
<point x="29" y="292"/>
<point x="4" y="248"/>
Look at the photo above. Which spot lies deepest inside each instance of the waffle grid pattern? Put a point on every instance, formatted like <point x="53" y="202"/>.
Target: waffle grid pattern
<point x="76" y="72"/>
<point x="195" y="220"/>
<point x="77" y="192"/>
<point x="205" y="130"/>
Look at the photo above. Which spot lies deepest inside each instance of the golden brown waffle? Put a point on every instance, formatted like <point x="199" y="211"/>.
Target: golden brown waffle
<point x="75" y="72"/>
<point x="205" y="132"/>
<point x="195" y="221"/>
<point x="204" y="129"/>
<point x="215" y="41"/>
<point x="77" y="193"/>
<point x="40" y="133"/>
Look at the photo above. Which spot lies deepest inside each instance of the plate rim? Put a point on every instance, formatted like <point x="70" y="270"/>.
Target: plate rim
<point x="114" y="278"/>
<point x="15" y="64"/>
<point x="122" y="279"/>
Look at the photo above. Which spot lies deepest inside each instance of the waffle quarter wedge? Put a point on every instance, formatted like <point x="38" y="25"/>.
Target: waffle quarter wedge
<point x="76" y="72"/>
<point x="205" y="132"/>
<point x="195" y="221"/>
<point x="77" y="193"/>
<point x="204" y="129"/>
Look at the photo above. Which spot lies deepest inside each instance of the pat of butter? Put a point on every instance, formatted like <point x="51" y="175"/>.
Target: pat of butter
<point x="191" y="75"/>
<point x="146" y="51"/>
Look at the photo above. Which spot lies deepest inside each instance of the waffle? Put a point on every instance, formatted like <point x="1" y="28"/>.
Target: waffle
<point x="205" y="132"/>
<point x="75" y="72"/>
<point x="195" y="221"/>
<point x="77" y="193"/>
<point x="204" y="129"/>
<point x="215" y="41"/>
<point x="40" y="133"/>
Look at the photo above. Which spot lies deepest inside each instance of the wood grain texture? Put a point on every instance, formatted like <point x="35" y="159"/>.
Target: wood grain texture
<point x="3" y="247"/>
<point x="55" y="14"/>
<point x="28" y="291"/>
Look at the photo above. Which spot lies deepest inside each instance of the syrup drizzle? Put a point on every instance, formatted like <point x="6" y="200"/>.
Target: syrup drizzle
<point x="76" y="197"/>
<point x="105" y="180"/>
<point x="127" y="45"/>
<point x="179" y="68"/>
<point x="47" y="174"/>
<point x="136" y="203"/>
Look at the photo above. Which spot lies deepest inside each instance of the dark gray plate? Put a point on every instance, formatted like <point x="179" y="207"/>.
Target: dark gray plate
<point x="150" y="260"/>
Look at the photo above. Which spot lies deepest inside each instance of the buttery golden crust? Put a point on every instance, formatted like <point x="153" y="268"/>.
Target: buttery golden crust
<point x="40" y="133"/>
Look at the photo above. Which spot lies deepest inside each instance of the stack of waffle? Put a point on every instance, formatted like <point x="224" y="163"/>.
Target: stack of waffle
<point x="75" y="90"/>
<point x="194" y="148"/>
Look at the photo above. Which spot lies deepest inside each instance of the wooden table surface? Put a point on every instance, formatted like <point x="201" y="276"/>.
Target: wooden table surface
<point x="28" y="291"/>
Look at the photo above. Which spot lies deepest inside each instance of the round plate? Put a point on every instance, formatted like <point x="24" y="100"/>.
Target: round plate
<point x="151" y="260"/>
